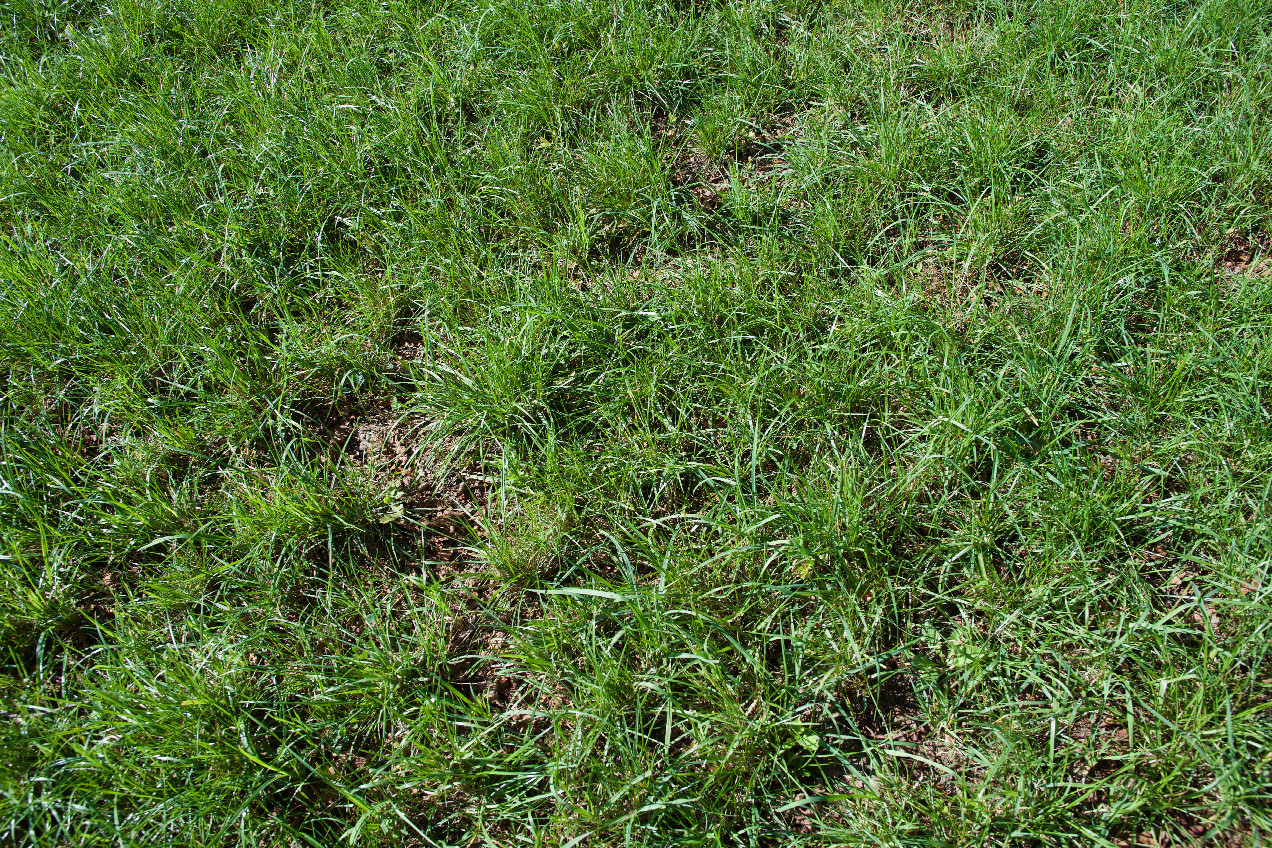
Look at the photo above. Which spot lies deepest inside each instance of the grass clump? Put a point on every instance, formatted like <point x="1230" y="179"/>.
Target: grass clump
<point x="642" y="423"/>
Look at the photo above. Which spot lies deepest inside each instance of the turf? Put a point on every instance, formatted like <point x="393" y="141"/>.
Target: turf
<point x="643" y="422"/>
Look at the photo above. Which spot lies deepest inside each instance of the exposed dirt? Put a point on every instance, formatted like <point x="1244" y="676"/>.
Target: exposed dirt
<point x="407" y="346"/>
<point x="1188" y="833"/>
<point x="756" y="153"/>
<point x="432" y="485"/>
<point x="707" y="181"/>
<point x="436" y="488"/>
<point x="1248" y="256"/>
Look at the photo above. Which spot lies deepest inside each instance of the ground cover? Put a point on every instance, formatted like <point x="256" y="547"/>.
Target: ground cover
<point x="564" y="423"/>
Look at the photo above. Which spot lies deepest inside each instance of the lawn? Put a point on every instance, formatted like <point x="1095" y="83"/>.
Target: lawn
<point x="636" y="423"/>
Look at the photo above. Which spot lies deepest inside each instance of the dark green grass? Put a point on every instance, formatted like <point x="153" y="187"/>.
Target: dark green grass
<point x="569" y="423"/>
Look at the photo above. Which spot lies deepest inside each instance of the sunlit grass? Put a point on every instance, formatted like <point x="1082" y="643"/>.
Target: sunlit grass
<point x="577" y="423"/>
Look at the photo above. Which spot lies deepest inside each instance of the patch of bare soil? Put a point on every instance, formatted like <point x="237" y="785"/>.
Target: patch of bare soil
<point x="756" y="153"/>
<point x="437" y="488"/>
<point x="407" y="346"/>
<point x="887" y="713"/>
<point x="478" y="644"/>
<point x="1188" y="832"/>
<point x="707" y="181"/>
<point x="1248" y="256"/>
<point x="434" y="486"/>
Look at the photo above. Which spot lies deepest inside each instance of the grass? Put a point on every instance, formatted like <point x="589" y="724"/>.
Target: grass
<point x="648" y="422"/>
